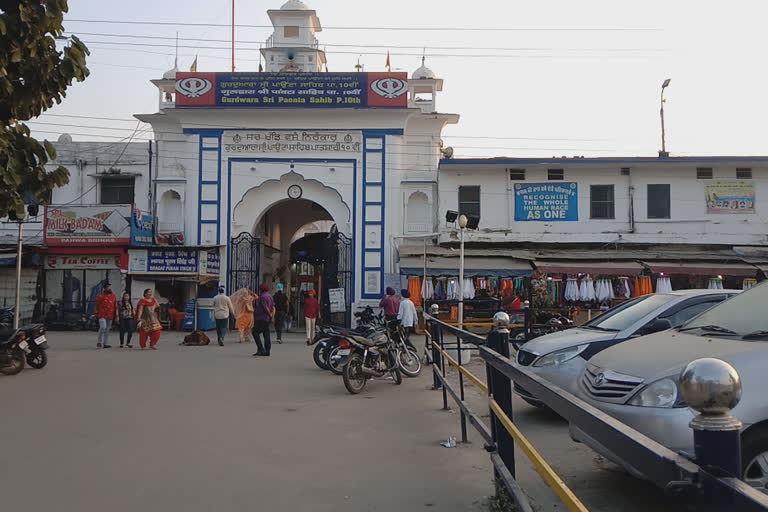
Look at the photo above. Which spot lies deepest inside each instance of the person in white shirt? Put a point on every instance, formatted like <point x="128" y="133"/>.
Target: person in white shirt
<point x="407" y="312"/>
<point x="222" y="308"/>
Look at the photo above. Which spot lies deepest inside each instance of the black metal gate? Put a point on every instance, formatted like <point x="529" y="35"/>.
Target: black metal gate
<point x="244" y="260"/>
<point x="337" y="274"/>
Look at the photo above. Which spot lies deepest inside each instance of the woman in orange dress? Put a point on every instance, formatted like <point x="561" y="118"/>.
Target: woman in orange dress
<point x="149" y="324"/>
<point x="242" y="300"/>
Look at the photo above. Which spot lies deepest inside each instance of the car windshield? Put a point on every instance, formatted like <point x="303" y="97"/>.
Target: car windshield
<point x="627" y="314"/>
<point x="742" y="315"/>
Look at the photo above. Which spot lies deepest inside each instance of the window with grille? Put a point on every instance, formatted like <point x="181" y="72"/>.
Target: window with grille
<point x="659" y="202"/>
<point x="602" y="202"/>
<point x="744" y="174"/>
<point x="703" y="173"/>
<point x="469" y="200"/>
<point x="117" y="190"/>
<point x="517" y="174"/>
<point x="556" y="174"/>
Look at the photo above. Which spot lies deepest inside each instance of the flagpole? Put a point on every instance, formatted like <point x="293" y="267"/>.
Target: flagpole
<point x="233" y="36"/>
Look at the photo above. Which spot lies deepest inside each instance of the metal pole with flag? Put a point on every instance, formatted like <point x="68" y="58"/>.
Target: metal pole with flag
<point x="389" y="64"/>
<point x="193" y="67"/>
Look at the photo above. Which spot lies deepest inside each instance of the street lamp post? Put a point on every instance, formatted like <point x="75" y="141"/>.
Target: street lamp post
<point x="462" y="226"/>
<point x="663" y="153"/>
<point x="17" y="309"/>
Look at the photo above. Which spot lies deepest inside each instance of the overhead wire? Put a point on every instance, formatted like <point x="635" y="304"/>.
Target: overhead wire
<point x="370" y="28"/>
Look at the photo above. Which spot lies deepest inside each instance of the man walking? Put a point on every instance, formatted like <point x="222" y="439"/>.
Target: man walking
<point x="281" y="310"/>
<point x="222" y="309"/>
<point x="407" y="313"/>
<point x="105" y="309"/>
<point x="263" y="316"/>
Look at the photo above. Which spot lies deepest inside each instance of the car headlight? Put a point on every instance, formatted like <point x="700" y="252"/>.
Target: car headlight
<point x="561" y="356"/>
<point x="662" y="393"/>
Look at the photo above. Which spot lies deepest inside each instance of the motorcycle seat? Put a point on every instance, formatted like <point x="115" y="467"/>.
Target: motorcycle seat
<point x="368" y="342"/>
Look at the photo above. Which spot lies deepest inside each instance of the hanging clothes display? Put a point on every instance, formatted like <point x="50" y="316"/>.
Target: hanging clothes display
<point x="469" y="289"/>
<point x="440" y="288"/>
<point x="643" y="286"/>
<point x="428" y="289"/>
<point x="507" y="287"/>
<point x="587" y="290"/>
<point x="663" y="285"/>
<point x="519" y="286"/>
<point x="452" y="289"/>
<point x="748" y="283"/>
<point x="715" y="283"/>
<point x="414" y="287"/>
<point x="554" y="291"/>
<point x="572" y="290"/>
<point x="624" y="290"/>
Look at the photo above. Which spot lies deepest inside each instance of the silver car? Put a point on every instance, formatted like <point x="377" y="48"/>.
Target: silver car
<point x="637" y="381"/>
<point x="560" y="357"/>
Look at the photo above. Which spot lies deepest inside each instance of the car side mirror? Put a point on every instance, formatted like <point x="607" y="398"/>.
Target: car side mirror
<point x="658" y="325"/>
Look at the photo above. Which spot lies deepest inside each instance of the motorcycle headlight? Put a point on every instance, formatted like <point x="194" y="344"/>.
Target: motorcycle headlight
<point x="560" y="356"/>
<point x="662" y="393"/>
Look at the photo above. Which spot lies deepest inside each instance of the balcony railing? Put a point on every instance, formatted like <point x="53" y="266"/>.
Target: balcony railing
<point x="170" y="227"/>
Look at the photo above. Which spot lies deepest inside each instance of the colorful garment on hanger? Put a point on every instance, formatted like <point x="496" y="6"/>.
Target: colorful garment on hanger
<point x="452" y="289"/>
<point x="663" y="285"/>
<point x="414" y="287"/>
<point x="572" y="290"/>
<point x="469" y="289"/>
<point x="428" y="289"/>
<point x="440" y="288"/>
<point x="624" y="290"/>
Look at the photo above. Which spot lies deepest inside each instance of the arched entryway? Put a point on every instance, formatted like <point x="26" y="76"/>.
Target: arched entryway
<point x="271" y="220"/>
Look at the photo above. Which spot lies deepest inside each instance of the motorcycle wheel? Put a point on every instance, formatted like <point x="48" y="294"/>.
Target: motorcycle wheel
<point x="354" y="379"/>
<point x="37" y="359"/>
<point x="397" y="376"/>
<point x="336" y="362"/>
<point x="15" y="365"/>
<point x="319" y="357"/>
<point x="329" y="347"/>
<point x="409" y="363"/>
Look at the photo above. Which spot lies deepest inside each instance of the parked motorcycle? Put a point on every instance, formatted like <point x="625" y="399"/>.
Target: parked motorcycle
<point x="327" y="354"/>
<point x="407" y="356"/>
<point x="369" y="357"/>
<point x="36" y="357"/>
<point x="14" y="350"/>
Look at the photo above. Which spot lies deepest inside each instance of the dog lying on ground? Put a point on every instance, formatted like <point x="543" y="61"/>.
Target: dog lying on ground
<point x="195" y="338"/>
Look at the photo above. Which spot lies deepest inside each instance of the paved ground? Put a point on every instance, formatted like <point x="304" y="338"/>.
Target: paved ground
<point x="209" y="428"/>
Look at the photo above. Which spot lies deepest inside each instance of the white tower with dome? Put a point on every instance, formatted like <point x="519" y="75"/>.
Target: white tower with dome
<point x="293" y="47"/>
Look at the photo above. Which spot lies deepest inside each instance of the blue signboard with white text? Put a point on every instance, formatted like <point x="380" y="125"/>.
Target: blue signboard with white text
<point x="547" y="202"/>
<point x="172" y="261"/>
<point x="141" y="228"/>
<point x="292" y="90"/>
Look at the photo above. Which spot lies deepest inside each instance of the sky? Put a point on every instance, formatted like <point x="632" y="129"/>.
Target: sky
<point x="529" y="79"/>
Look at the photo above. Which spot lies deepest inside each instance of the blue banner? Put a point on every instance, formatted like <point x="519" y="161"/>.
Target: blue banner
<point x="291" y="90"/>
<point x="141" y="228"/>
<point x="547" y="201"/>
<point x="172" y="261"/>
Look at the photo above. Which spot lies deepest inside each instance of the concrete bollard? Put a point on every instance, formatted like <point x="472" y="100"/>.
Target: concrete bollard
<point x="713" y="388"/>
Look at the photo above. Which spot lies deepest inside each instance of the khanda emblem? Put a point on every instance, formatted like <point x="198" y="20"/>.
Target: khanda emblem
<point x="389" y="88"/>
<point x="193" y="87"/>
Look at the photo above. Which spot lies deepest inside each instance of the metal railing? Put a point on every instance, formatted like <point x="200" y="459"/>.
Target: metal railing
<point x="701" y="485"/>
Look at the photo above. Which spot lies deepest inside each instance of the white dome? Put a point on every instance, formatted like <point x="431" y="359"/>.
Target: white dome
<point x="294" y="5"/>
<point x="423" y="72"/>
<point x="171" y="73"/>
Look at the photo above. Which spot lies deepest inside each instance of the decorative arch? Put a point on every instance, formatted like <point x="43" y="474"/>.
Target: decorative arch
<point x="258" y="200"/>
<point x="170" y="211"/>
<point x="418" y="213"/>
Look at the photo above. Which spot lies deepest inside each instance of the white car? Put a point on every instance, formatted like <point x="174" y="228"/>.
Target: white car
<point x="637" y="382"/>
<point x="560" y="357"/>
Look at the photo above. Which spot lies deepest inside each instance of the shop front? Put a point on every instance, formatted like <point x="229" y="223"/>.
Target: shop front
<point x="183" y="280"/>
<point x="85" y="247"/>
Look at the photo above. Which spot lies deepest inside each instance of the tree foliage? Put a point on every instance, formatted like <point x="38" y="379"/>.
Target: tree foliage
<point x="34" y="75"/>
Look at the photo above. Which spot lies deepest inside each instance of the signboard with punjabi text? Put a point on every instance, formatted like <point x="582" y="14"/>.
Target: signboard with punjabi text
<point x="291" y="141"/>
<point x="292" y="90"/>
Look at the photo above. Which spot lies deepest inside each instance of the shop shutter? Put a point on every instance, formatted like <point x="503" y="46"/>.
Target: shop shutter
<point x="28" y="289"/>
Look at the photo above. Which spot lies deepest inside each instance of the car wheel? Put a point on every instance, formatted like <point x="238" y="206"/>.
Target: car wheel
<point x="754" y="459"/>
